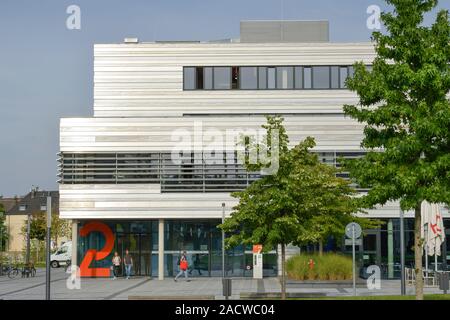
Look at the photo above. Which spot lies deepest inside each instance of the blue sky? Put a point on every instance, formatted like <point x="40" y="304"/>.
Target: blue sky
<point x="46" y="70"/>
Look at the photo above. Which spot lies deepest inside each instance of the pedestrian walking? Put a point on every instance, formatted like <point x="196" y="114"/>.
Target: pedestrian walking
<point x="128" y="262"/>
<point x="183" y="265"/>
<point x="116" y="261"/>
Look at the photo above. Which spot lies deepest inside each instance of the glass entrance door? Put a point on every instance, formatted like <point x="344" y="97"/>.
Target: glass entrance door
<point x="139" y="247"/>
<point x="371" y="250"/>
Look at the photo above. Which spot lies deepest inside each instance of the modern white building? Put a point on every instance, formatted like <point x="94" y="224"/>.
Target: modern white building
<point x="118" y="168"/>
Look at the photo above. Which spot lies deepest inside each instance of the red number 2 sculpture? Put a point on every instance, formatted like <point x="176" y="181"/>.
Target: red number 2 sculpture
<point x="93" y="254"/>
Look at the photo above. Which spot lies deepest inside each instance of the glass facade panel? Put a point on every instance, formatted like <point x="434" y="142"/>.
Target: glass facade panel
<point x="334" y="77"/>
<point x="202" y="241"/>
<point x="298" y="77"/>
<point x="222" y="78"/>
<point x="271" y="78"/>
<point x="139" y="237"/>
<point x="307" y="81"/>
<point x="343" y="74"/>
<point x="262" y="78"/>
<point x="321" y="77"/>
<point x="189" y="78"/>
<point x="207" y="78"/>
<point x="285" y="78"/>
<point x="249" y="78"/>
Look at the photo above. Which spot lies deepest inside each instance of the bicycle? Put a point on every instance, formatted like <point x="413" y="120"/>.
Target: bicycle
<point x="25" y="271"/>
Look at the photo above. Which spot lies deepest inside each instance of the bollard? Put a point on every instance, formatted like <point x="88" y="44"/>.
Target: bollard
<point x="226" y="286"/>
<point x="443" y="281"/>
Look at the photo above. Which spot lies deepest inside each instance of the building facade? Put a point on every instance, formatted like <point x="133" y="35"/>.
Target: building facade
<point x="144" y="173"/>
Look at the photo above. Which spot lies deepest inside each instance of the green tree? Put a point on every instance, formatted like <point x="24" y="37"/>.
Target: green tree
<point x="403" y="103"/>
<point x="60" y="227"/>
<point x="279" y="208"/>
<point x="38" y="227"/>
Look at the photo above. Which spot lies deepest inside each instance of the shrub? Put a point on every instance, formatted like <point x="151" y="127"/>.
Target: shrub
<point x="329" y="266"/>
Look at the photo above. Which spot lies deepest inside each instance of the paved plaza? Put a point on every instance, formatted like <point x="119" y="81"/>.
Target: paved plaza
<point x="101" y="289"/>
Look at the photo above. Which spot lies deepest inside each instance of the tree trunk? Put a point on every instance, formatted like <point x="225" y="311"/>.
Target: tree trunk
<point x="418" y="253"/>
<point x="283" y="272"/>
<point x="320" y="247"/>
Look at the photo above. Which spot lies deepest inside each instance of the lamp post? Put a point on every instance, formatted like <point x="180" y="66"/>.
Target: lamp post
<point x="27" y="258"/>
<point x="34" y="189"/>
<point x="47" y="264"/>
<point x="223" y="241"/>
<point x="402" y="254"/>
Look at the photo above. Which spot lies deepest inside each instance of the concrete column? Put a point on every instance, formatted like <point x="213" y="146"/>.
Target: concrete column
<point x="74" y="241"/>
<point x="161" y="249"/>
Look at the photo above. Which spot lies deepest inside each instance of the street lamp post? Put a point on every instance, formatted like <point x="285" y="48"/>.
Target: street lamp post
<point x="402" y="254"/>
<point x="47" y="264"/>
<point x="27" y="258"/>
<point x="223" y="241"/>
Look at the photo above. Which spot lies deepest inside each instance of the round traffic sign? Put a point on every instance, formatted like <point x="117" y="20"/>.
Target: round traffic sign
<point x="349" y="230"/>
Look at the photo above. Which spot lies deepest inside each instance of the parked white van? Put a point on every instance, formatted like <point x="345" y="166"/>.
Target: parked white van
<point x="62" y="255"/>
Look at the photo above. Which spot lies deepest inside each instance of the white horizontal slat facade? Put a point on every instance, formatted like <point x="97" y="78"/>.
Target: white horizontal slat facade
<point x="139" y="102"/>
<point x="155" y="134"/>
<point x="145" y="201"/>
<point x="134" y="80"/>
<point x="138" y="201"/>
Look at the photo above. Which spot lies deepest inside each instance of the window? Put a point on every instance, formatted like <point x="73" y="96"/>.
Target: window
<point x="249" y="77"/>
<point x="271" y="84"/>
<point x="307" y="78"/>
<point x="208" y="78"/>
<point x="22" y="207"/>
<point x="199" y="78"/>
<point x="222" y="78"/>
<point x="43" y="207"/>
<point x="234" y="78"/>
<point x="334" y="77"/>
<point x="285" y="77"/>
<point x="189" y="78"/>
<point x="321" y="77"/>
<point x="351" y="71"/>
<point x="343" y="74"/>
<point x="298" y="77"/>
<point x="262" y="78"/>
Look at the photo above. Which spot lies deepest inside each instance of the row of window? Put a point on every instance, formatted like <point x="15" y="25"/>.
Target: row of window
<point x="159" y="168"/>
<point x="266" y="78"/>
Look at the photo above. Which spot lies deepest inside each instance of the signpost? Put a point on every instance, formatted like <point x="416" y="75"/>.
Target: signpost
<point x="257" y="262"/>
<point x="353" y="231"/>
<point x="47" y="265"/>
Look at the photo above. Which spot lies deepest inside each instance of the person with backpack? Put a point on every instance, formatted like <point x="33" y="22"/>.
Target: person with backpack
<point x="183" y="265"/>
